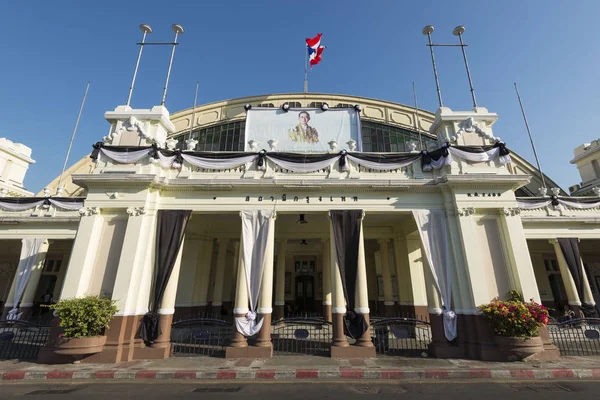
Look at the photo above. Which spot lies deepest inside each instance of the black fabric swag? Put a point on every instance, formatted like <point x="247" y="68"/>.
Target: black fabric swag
<point x="570" y="249"/>
<point x="346" y="232"/>
<point x="170" y="230"/>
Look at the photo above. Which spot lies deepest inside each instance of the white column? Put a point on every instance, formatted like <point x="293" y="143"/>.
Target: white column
<point x="83" y="256"/>
<point x="265" y="302"/>
<point x="167" y="306"/>
<point x="137" y="242"/>
<point x="327" y="298"/>
<point x="217" y="301"/>
<point x="337" y="294"/>
<point x="280" y="283"/>
<point x="416" y="266"/>
<point x="388" y="290"/>
<point x="362" y="290"/>
<point x="403" y="278"/>
<point x="203" y="262"/>
<point x="187" y="275"/>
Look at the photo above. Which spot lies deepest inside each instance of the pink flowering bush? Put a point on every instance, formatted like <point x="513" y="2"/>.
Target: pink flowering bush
<point x="515" y="318"/>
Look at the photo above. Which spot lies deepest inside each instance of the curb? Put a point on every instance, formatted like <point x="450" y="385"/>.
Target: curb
<point x="303" y="374"/>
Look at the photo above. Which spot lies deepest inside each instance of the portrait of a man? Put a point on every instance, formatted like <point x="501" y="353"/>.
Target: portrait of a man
<point x="304" y="133"/>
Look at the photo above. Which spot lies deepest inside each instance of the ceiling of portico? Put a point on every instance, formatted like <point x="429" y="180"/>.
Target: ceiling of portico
<point x="286" y="226"/>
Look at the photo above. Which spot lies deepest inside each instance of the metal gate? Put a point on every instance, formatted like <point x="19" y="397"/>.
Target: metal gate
<point x="577" y="337"/>
<point x="200" y="337"/>
<point x="301" y="336"/>
<point x="22" y="340"/>
<point x="401" y="336"/>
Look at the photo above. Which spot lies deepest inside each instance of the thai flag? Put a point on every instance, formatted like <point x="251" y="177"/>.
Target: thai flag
<point x="314" y="49"/>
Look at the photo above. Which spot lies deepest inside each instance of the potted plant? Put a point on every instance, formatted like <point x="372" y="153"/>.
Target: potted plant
<point x="516" y="325"/>
<point x="83" y="321"/>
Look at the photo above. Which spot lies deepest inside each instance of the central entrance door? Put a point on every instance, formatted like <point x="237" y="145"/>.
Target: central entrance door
<point x="305" y="293"/>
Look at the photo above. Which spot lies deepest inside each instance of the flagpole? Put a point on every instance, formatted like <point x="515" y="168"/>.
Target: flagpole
<point x="305" y="70"/>
<point x="530" y="137"/>
<point x="58" y="187"/>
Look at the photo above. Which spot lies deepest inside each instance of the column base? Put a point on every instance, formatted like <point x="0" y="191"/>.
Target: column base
<point x="264" y="336"/>
<point x="327" y="312"/>
<point x="352" y="352"/>
<point x="249" y="352"/>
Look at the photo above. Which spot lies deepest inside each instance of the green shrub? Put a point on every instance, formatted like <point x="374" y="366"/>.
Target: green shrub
<point x="85" y="316"/>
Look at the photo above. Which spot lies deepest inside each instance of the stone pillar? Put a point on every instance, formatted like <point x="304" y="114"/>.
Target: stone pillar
<point x="327" y="281"/>
<point x="28" y="297"/>
<point x="217" y="301"/>
<point x="362" y="292"/>
<point x="388" y="290"/>
<point x="339" y="302"/>
<point x="166" y="310"/>
<point x="403" y="278"/>
<point x="187" y="279"/>
<point x="265" y="302"/>
<point x="200" y="298"/>
<point x="134" y="264"/>
<point x="416" y="267"/>
<point x="240" y="309"/>
<point x="280" y="284"/>
<point x="567" y="278"/>
<point x="83" y="255"/>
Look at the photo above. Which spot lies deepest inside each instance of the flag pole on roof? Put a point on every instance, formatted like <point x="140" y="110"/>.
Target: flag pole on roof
<point x="313" y="55"/>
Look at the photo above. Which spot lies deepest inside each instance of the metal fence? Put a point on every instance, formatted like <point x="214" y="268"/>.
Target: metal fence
<point x="577" y="337"/>
<point x="22" y="340"/>
<point x="301" y="336"/>
<point x="401" y="336"/>
<point x="200" y="337"/>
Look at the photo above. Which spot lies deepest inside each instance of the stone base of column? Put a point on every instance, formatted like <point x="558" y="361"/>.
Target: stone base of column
<point x="327" y="312"/>
<point x="237" y="340"/>
<point x="338" y="338"/>
<point x="161" y="348"/>
<point x="264" y="336"/>
<point x="278" y="312"/>
<point x="365" y="340"/>
<point x="475" y="340"/>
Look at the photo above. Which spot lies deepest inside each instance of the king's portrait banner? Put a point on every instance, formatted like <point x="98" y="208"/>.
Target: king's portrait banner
<point x="302" y="129"/>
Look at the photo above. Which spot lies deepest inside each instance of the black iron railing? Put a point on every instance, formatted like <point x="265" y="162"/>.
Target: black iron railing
<point x="200" y="337"/>
<point x="576" y="337"/>
<point x="301" y="336"/>
<point x="401" y="336"/>
<point x="22" y="340"/>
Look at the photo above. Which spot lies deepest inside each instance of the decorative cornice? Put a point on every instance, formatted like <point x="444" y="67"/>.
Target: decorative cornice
<point x="136" y="211"/>
<point x="510" y="211"/>
<point x="88" y="211"/>
<point x="465" y="211"/>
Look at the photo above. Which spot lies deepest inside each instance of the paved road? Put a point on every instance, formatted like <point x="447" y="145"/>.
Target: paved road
<point x="307" y="390"/>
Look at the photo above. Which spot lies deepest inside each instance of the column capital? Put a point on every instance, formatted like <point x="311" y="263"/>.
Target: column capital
<point x="89" y="211"/>
<point x="553" y="241"/>
<point x="383" y="241"/>
<point x="136" y="211"/>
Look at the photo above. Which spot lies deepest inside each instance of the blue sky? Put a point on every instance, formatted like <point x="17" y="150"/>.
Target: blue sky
<point x="241" y="48"/>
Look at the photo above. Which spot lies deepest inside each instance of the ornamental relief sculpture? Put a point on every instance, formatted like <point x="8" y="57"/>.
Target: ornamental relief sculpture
<point x="136" y="211"/>
<point x="89" y="211"/>
<point x="465" y="211"/>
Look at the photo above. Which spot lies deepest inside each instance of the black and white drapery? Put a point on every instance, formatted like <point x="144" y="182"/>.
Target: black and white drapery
<point x="570" y="250"/>
<point x="170" y="230"/>
<point x="302" y="162"/>
<point x="346" y="226"/>
<point x="255" y="235"/>
<point x="579" y="203"/>
<point x="27" y="203"/>
<point x="434" y="237"/>
<point x="30" y="249"/>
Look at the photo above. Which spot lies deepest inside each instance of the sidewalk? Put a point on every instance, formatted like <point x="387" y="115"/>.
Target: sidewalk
<point x="294" y="368"/>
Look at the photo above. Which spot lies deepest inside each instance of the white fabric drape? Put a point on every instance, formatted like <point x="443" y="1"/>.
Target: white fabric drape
<point x="532" y="205"/>
<point x="165" y="161"/>
<point x="434" y="237"/>
<point x="380" y="166"/>
<point x="67" y="205"/>
<point x="304" y="167"/>
<point x="486" y="156"/>
<point x="439" y="163"/>
<point x="125" y="158"/>
<point x="20" y="207"/>
<point x="29" y="253"/>
<point x="579" y="206"/>
<point x="255" y="234"/>
<point x="210" y="163"/>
